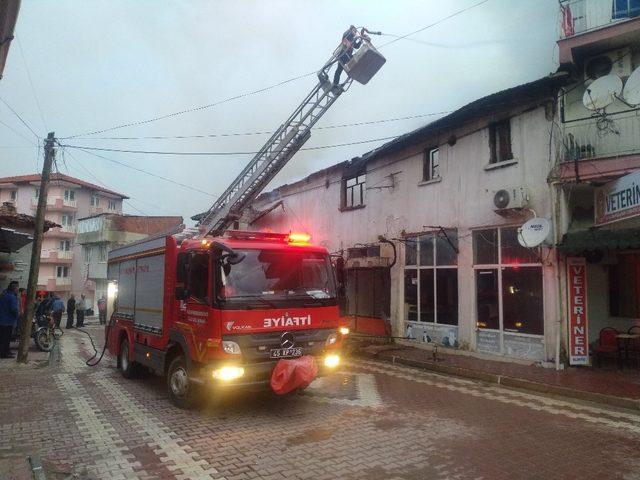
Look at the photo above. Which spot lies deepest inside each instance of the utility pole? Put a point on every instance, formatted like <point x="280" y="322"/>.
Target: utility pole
<point x="32" y="285"/>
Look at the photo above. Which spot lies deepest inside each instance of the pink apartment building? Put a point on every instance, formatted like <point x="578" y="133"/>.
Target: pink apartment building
<point x="62" y="269"/>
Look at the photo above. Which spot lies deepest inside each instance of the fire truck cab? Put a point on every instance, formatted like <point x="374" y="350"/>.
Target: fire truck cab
<point x="220" y="312"/>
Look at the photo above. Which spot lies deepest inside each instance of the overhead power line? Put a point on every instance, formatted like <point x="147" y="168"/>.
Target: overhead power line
<point x="218" y="135"/>
<point x="18" y="133"/>
<point x="33" y="90"/>
<point x="214" y="154"/>
<point x="188" y="187"/>
<point x="20" y="118"/>
<point x="260" y="90"/>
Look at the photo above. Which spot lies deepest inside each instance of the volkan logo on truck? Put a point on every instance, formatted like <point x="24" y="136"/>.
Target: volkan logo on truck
<point x="287" y="321"/>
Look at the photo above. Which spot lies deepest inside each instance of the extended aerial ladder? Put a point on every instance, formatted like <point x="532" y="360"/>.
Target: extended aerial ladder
<point x="291" y="135"/>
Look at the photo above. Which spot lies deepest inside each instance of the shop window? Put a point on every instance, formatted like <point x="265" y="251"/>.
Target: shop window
<point x="199" y="277"/>
<point x="509" y="273"/>
<point x="500" y="141"/>
<point x="410" y="251"/>
<point x="431" y="282"/>
<point x="353" y="191"/>
<point x="431" y="165"/>
<point x="624" y="286"/>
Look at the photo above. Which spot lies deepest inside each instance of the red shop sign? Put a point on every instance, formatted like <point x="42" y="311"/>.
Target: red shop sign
<point x="577" y="302"/>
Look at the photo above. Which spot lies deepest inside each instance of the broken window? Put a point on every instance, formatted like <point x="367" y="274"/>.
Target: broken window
<point x="500" y="141"/>
<point x="431" y="165"/>
<point x="353" y="191"/>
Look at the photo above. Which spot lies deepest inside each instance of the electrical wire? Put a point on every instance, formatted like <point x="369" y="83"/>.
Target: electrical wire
<point x="33" y="90"/>
<point x="18" y="133"/>
<point x="189" y="187"/>
<point x="454" y="14"/>
<point x="20" y="118"/>
<point x="218" y="135"/>
<point x="205" y="154"/>
<point x="264" y="89"/>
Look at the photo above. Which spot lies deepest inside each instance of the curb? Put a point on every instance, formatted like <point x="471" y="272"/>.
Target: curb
<point x="510" y="382"/>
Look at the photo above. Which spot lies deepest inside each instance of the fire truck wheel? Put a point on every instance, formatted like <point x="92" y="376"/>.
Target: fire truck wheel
<point x="182" y="392"/>
<point x="127" y="367"/>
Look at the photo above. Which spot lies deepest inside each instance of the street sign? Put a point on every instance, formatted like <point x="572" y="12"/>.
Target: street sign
<point x="618" y="200"/>
<point x="577" y="303"/>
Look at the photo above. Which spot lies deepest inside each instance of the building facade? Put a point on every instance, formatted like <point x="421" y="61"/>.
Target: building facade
<point x="428" y="226"/>
<point x="68" y="198"/>
<point x="98" y="234"/>
<point x="597" y="178"/>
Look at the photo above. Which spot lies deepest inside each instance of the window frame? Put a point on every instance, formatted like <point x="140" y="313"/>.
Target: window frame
<point x="13" y="195"/>
<point x="69" y="194"/>
<point x="95" y="200"/>
<point x="418" y="268"/>
<point x="347" y="191"/>
<point x="64" y="269"/>
<point x="65" y="245"/>
<point x="498" y="154"/>
<point x="111" y="205"/>
<point x="429" y="171"/>
<point x="500" y="267"/>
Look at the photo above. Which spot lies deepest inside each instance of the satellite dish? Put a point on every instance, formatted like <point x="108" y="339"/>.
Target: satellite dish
<point x="534" y="232"/>
<point x="631" y="92"/>
<point x="602" y="92"/>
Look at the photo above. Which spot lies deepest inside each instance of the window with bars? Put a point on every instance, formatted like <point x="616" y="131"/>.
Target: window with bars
<point x="508" y="281"/>
<point x="431" y="278"/>
<point x="500" y="141"/>
<point x="353" y="191"/>
<point x="431" y="165"/>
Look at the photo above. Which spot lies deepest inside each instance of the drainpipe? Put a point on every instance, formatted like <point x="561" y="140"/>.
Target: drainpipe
<point x="556" y="232"/>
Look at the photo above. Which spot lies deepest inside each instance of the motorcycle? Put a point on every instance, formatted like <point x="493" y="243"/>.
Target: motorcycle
<point x="44" y="331"/>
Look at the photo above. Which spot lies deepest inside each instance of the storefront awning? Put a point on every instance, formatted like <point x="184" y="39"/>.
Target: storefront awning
<point x="600" y="239"/>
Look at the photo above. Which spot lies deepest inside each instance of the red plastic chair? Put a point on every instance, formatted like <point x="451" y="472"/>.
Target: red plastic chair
<point x="607" y="345"/>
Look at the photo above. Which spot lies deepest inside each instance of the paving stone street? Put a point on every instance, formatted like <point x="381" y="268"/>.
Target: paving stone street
<point x="370" y="420"/>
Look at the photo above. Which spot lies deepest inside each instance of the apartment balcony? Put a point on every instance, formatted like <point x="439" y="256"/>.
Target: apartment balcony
<point x="601" y="148"/>
<point x="57" y="256"/>
<point x="592" y="26"/>
<point x="56" y="204"/>
<point x="66" y="231"/>
<point x="61" y="204"/>
<point x="56" y="284"/>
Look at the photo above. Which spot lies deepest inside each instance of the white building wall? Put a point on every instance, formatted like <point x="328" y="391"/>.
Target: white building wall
<point x="463" y="199"/>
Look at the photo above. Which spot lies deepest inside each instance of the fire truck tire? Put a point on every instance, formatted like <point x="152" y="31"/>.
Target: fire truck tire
<point x="128" y="367"/>
<point x="182" y="392"/>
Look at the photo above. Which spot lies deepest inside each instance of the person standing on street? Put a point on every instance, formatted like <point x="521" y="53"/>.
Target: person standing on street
<point x="81" y="306"/>
<point x="57" y="308"/>
<point x="9" y="312"/>
<point x="102" y="310"/>
<point x="71" y="310"/>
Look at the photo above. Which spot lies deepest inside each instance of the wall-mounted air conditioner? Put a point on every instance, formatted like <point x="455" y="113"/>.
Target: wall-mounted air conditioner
<point x="510" y="199"/>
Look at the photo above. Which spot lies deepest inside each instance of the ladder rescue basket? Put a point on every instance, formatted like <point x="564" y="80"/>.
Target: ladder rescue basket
<point x="365" y="63"/>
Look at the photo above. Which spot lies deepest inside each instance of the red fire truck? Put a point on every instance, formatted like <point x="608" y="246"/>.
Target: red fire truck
<point x="212" y="306"/>
<point x="222" y="311"/>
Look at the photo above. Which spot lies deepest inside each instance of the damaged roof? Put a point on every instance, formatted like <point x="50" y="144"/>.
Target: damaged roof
<point x="494" y="105"/>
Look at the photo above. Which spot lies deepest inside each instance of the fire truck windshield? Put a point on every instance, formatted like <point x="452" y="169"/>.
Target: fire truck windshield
<point x="276" y="275"/>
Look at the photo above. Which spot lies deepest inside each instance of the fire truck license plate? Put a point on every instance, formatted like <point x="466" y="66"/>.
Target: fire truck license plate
<point x="286" y="352"/>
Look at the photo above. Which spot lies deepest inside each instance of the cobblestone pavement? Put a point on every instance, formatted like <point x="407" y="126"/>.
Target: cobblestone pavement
<point x="368" y="421"/>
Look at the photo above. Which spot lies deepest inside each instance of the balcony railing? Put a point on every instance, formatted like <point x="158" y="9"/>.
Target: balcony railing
<point x="612" y="136"/>
<point x="65" y="254"/>
<point x="68" y="228"/>
<point x="581" y="16"/>
<point x="63" y="280"/>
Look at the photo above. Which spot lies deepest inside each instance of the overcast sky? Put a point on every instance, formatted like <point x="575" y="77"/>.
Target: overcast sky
<point x="97" y="64"/>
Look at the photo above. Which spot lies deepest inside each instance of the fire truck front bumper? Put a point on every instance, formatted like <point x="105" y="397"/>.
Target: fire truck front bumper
<point x="256" y="376"/>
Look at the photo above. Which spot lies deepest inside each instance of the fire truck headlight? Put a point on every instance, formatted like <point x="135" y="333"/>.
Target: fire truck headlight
<point x="331" y="339"/>
<point x="332" y="361"/>
<point x="344" y="330"/>
<point x="228" y="373"/>
<point x="231" y="347"/>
